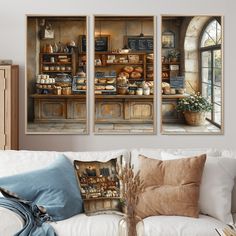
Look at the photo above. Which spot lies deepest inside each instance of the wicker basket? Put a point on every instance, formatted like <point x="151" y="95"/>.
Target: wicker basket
<point x="195" y="118"/>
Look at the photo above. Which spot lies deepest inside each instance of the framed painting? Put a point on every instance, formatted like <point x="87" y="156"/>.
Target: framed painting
<point x="168" y="39"/>
<point x="192" y="75"/>
<point x="124" y="79"/>
<point x="56" y="75"/>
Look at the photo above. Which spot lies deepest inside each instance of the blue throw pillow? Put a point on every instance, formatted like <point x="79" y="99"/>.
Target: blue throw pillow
<point x="54" y="187"/>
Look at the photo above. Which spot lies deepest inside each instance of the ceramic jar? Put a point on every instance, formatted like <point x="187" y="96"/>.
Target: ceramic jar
<point x="146" y="91"/>
<point x="172" y="91"/>
<point x="139" y="91"/>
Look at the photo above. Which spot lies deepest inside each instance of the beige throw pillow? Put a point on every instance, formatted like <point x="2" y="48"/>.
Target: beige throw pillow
<point x="171" y="187"/>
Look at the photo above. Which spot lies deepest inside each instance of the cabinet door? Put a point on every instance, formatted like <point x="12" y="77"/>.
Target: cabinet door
<point x="76" y="109"/>
<point x="2" y="109"/>
<point x="48" y="110"/>
<point x="139" y="110"/>
<point x="109" y="111"/>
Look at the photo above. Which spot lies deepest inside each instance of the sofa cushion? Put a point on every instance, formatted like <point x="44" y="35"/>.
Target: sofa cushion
<point x="216" y="188"/>
<point x="182" y="226"/>
<point x="171" y="187"/>
<point x="53" y="187"/>
<point x="10" y="222"/>
<point x="156" y="153"/>
<point x="231" y="154"/>
<point x="16" y="162"/>
<point x="98" y="225"/>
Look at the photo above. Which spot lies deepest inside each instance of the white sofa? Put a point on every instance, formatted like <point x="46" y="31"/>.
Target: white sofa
<point x="14" y="162"/>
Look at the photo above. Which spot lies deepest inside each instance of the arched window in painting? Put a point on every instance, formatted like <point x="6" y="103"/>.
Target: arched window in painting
<point x="211" y="68"/>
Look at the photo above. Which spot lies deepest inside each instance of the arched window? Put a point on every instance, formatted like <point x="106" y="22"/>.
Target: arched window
<point x="211" y="68"/>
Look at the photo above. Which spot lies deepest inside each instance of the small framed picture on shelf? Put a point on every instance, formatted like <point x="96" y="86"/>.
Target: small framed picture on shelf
<point x="102" y="43"/>
<point x="168" y="39"/>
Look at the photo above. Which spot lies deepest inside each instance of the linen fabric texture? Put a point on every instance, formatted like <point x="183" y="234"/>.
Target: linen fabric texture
<point x="218" y="180"/>
<point x="171" y="187"/>
<point x="54" y="187"/>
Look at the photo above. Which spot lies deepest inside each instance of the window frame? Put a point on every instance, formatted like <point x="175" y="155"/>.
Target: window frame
<point x="211" y="49"/>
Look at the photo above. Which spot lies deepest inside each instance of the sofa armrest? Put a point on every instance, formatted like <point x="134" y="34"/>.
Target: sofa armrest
<point x="10" y="222"/>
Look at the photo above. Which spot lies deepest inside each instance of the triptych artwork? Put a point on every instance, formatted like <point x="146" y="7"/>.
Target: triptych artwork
<point x="123" y="76"/>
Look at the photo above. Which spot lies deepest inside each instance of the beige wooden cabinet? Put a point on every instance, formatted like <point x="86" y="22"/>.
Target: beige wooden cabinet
<point x="9" y="108"/>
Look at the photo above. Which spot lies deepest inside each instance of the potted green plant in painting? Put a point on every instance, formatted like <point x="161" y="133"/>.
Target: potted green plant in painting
<point x="194" y="108"/>
<point x="173" y="55"/>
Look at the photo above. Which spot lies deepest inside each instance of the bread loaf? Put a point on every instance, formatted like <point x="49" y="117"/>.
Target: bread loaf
<point x="110" y="87"/>
<point x="138" y="69"/>
<point x="128" y="69"/>
<point x="135" y="75"/>
<point x="124" y="74"/>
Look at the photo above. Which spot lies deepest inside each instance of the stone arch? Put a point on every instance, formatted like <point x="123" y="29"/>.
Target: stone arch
<point x="191" y="52"/>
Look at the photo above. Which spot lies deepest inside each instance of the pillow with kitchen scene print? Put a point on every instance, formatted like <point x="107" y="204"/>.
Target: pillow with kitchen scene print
<point x="99" y="185"/>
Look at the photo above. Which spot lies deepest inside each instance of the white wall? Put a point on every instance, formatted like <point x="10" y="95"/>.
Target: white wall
<point x="12" y="46"/>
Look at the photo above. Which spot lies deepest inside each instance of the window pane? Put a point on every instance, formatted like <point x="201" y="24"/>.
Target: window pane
<point x="211" y="30"/>
<point x="212" y="34"/>
<point x="206" y="59"/>
<point x="217" y="114"/>
<point x="218" y="31"/>
<point x="206" y="75"/>
<point x="217" y="76"/>
<point x="217" y="94"/>
<point x="206" y="91"/>
<point x="209" y="115"/>
<point x="207" y="40"/>
<point x="217" y="58"/>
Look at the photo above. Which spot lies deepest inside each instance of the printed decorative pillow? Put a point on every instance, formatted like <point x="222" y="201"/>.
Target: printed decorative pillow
<point x="171" y="187"/>
<point x="54" y="187"/>
<point x="99" y="185"/>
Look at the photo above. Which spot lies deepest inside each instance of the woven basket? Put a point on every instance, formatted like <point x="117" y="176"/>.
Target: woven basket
<point x="195" y="118"/>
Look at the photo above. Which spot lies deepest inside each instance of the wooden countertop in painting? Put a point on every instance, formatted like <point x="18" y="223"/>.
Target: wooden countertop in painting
<point x="96" y="96"/>
<point x="58" y="96"/>
<point x="123" y="96"/>
<point x="175" y="96"/>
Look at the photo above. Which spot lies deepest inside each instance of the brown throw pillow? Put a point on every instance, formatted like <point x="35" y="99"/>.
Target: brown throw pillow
<point x="171" y="187"/>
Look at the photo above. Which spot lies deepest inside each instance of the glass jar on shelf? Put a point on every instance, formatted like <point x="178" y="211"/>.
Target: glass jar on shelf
<point x="63" y="80"/>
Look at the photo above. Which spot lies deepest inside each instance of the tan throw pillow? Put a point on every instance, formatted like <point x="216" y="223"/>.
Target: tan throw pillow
<point x="171" y="187"/>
